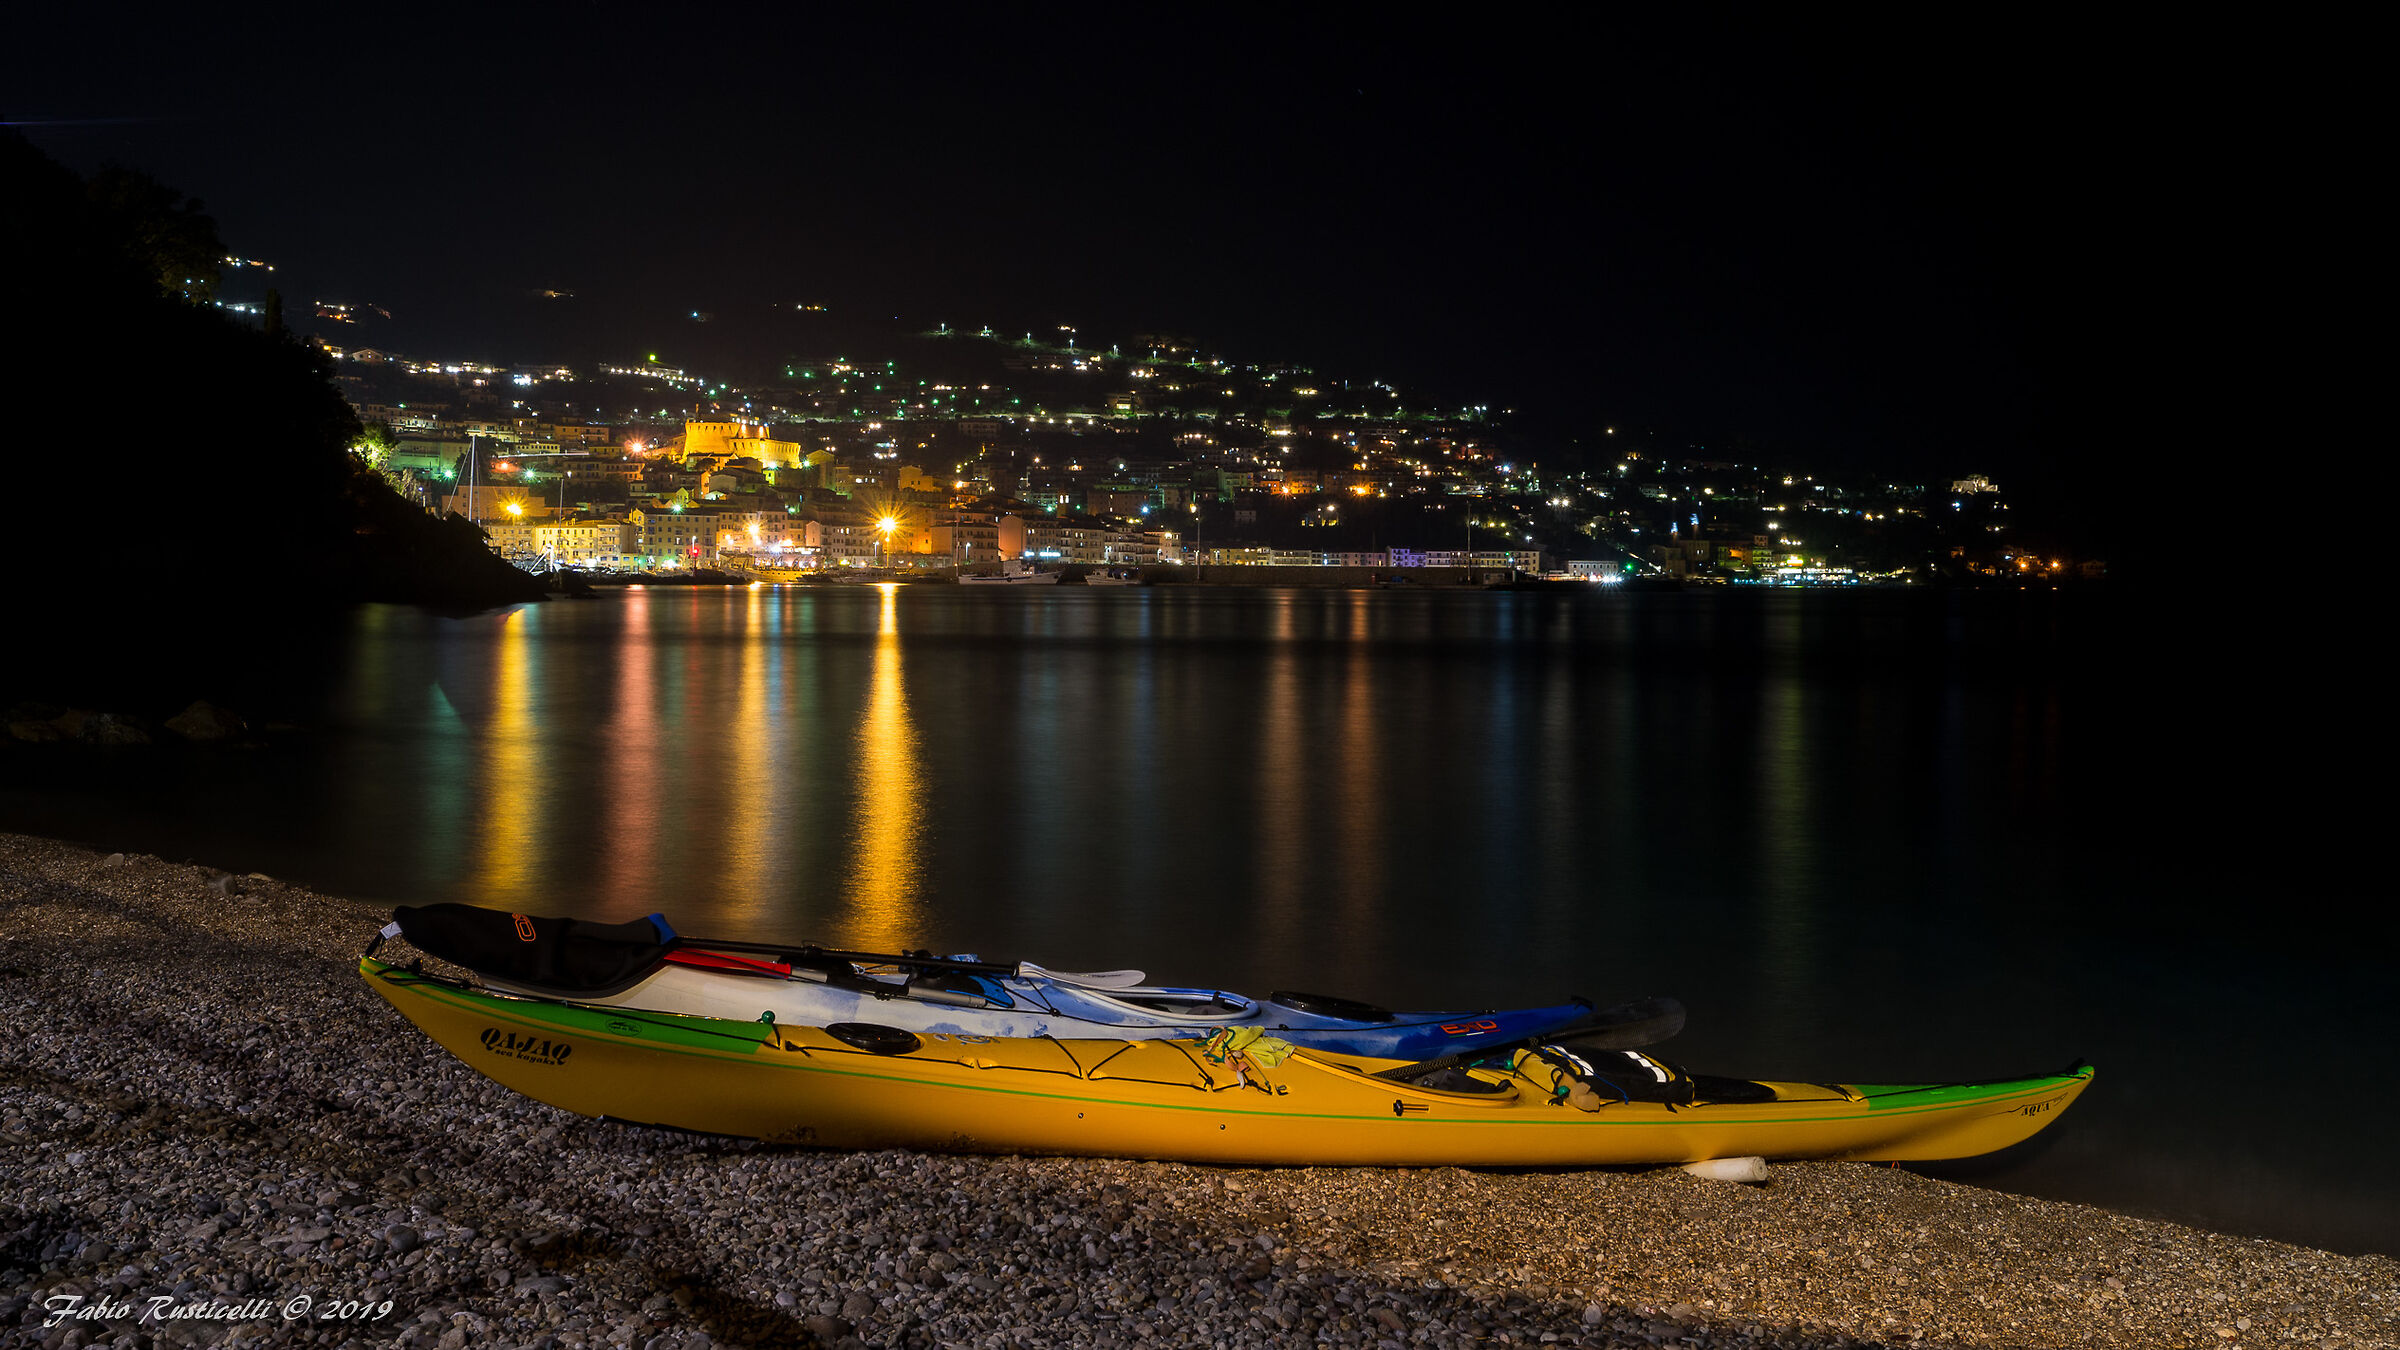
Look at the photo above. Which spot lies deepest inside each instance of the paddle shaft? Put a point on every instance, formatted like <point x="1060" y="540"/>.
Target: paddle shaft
<point x="811" y="951"/>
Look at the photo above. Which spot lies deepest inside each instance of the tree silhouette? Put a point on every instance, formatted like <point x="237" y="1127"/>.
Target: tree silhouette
<point x="169" y="235"/>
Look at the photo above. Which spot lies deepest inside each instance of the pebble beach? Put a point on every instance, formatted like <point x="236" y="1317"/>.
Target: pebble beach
<point x="213" y="1133"/>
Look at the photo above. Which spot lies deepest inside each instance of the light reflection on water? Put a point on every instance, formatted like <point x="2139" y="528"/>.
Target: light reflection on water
<point x="1278" y="794"/>
<point x="1361" y="785"/>
<point x="881" y="899"/>
<point x="513" y="782"/>
<point x="757" y="816"/>
<point x="1788" y="885"/>
<point x="1862" y="836"/>
<point x="630" y="745"/>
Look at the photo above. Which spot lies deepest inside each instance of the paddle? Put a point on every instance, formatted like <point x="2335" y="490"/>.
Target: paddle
<point x="463" y="933"/>
<point x="1090" y="979"/>
<point x="810" y="951"/>
<point x="1644" y="1021"/>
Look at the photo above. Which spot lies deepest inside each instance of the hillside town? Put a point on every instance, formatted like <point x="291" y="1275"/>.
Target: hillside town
<point x="1037" y="452"/>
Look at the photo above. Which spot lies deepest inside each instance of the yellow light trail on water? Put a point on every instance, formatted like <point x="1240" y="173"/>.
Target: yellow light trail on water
<point x="512" y="787"/>
<point x="883" y="890"/>
<point x="756" y="847"/>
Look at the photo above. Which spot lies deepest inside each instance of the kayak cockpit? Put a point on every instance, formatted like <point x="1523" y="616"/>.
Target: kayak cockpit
<point x="572" y="957"/>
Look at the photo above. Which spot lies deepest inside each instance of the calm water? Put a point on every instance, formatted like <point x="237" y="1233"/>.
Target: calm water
<point x="1873" y="836"/>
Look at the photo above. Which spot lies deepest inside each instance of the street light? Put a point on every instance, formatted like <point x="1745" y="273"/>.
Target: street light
<point x="883" y="540"/>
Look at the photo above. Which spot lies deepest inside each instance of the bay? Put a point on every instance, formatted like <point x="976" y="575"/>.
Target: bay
<point x="1872" y="835"/>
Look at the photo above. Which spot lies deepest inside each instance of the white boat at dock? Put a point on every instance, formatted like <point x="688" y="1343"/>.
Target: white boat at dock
<point x="1013" y="572"/>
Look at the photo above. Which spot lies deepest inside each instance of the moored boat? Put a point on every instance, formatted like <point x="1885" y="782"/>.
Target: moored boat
<point x="1013" y="572"/>
<point x="1228" y="1098"/>
<point x="647" y="965"/>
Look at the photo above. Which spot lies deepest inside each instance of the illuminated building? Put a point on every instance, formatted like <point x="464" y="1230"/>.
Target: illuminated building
<point x="669" y="538"/>
<point x="969" y="540"/>
<point x="1070" y="540"/>
<point x="581" y="543"/>
<point x="723" y="441"/>
<point x="489" y="503"/>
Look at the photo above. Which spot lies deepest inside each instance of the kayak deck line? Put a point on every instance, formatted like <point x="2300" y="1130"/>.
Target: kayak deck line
<point x="899" y="1099"/>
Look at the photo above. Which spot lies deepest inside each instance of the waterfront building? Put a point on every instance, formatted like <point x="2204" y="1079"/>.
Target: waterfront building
<point x="845" y="536"/>
<point x="741" y="530"/>
<point x="592" y="543"/>
<point x="1162" y="546"/>
<point x="659" y="538"/>
<point x="1140" y="550"/>
<point x="512" y="539"/>
<point x="1813" y="576"/>
<point x="1069" y="539"/>
<point x="1521" y="560"/>
<point x="969" y="539"/>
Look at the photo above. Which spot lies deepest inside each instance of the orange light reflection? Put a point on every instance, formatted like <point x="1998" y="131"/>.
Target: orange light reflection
<point x="882" y="894"/>
<point x="511" y="787"/>
<point x="751" y="843"/>
<point x="635" y="770"/>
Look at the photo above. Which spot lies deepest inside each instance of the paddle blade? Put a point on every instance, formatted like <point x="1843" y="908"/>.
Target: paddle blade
<point x="1088" y="979"/>
<point x="1627" y="1026"/>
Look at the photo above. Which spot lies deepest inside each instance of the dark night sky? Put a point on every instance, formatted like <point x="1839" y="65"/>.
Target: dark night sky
<point x="1865" y="244"/>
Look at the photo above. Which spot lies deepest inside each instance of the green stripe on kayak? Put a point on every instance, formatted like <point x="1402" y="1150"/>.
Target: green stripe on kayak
<point x="705" y="1033"/>
<point x="1911" y="1096"/>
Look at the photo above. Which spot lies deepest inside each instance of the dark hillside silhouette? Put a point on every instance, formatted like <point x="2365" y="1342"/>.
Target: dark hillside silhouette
<point x="176" y="460"/>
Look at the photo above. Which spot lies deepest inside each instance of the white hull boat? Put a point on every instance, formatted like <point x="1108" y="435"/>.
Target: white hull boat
<point x="1013" y="572"/>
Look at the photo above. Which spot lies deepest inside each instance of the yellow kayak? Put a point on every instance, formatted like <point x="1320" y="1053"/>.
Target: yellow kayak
<point x="1191" y="1100"/>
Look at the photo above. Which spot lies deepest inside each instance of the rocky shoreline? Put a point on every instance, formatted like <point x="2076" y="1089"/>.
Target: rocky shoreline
<point x="206" y="1118"/>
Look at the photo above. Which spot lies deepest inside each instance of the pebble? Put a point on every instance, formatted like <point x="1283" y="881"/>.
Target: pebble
<point x="255" y="1122"/>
